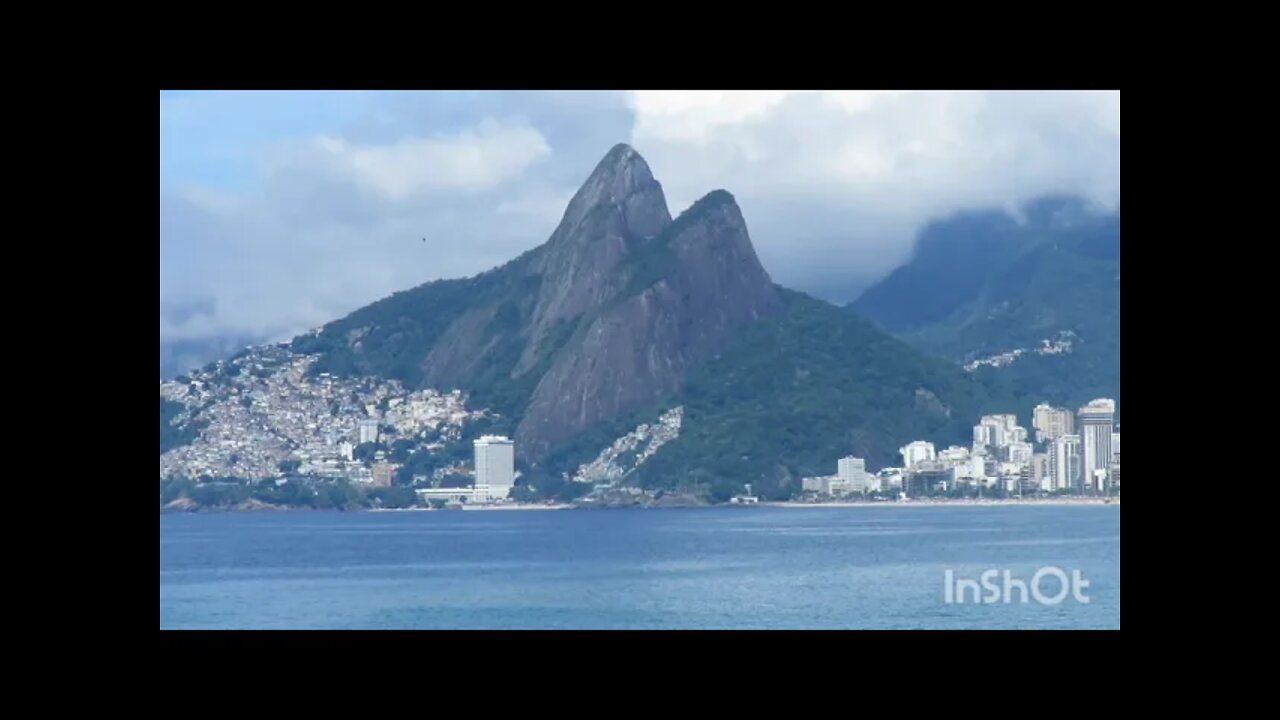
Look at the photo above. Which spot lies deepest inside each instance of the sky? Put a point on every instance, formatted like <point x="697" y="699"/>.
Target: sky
<point x="280" y="210"/>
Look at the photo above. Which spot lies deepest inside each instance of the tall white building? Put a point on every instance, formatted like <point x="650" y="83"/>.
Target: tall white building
<point x="1051" y="423"/>
<point x="1020" y="452"/>
<point x="917" y="452"/>
<point x="1096" y="421"/>
<point x="1064" y="463"/>
<point x="1040" y="476"/>
<point x="852" y="472"/>
<point x="495" y="465"/>
<point x="998" y="431"/>
<point x="368" y="431"/>
<point x="1006" y="421"/>
<point x="1115" y="447"/>
<point x="1016" y="434"/>
<point x="988" y="434"/>
<point x="954" y="455"/>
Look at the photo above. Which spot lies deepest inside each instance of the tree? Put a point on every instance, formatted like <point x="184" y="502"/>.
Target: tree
<point x="364" y="452"/>
<point x="395" y="497"/>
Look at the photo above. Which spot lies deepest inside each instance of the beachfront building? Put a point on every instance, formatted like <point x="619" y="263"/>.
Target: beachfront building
<point x="852" y="472"/>
<point x="495" y="465"/>
<point x="1096" y="421"/>
<point x="1040" y="477"/>
<point x="1019" y="452"/>
<point x="1051" y="423"/>
<point x="916" y="453"/>
<point x="1064" y="463"/>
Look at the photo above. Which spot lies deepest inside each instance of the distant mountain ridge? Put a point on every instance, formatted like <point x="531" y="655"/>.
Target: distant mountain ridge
<point x="984" y="283"/>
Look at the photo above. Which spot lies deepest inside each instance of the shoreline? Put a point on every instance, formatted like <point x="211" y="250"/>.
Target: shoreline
<point x="1046" y="502"/>
<point x="476" y="508"/>
<point x="1042" y="502"/>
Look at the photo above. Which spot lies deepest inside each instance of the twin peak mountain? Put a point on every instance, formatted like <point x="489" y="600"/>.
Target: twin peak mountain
<point x="625" y="312"/>
<point x="606" y="316"/>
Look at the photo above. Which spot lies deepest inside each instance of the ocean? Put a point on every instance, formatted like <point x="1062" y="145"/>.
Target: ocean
<point x="697" y="568"/>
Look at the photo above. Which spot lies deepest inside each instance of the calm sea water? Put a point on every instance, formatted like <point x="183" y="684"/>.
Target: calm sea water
<point x="776" y="568"/>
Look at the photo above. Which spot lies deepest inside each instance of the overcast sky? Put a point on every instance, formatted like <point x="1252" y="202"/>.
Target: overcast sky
<point x="280" y="211"/>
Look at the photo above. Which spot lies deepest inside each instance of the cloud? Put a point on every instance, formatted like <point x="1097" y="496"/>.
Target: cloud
<point x="334" y="223"/>
<point x="473" y="160"/>
<point x="282" y="211"/>
<point x="834" y="185"/>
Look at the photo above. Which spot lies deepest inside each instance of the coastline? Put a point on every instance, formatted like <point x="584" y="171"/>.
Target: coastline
<point x="1043" y="502"/>
<point x="476" y="508"/>
<point x="1046" y="502"/>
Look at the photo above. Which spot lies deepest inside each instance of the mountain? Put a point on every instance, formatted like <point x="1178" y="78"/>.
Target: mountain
<point x="629" y="345"/>
<point x="180" y="356"/>
<point x="789" y="396"/>
<point x="1030" y="303"/>
<point x="606" y="316"/>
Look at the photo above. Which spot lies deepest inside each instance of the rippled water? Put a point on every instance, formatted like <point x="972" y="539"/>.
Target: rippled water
<point x="681" y="568"/>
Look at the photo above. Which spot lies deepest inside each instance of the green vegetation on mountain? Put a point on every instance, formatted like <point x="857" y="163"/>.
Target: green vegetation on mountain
<point x="981" y="284"/>
<point x="791" y="395"/>
<point x="172" y="436"/>
<point x="230" y="493"/>
<point x="625" y="313"/>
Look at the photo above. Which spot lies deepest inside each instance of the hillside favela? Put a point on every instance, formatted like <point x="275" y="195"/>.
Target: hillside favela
<point x="853" y="363"/>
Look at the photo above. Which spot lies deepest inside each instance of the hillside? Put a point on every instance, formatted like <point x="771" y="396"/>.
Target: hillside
<point x="990" y="290"/>
<point x="632" y="346"/>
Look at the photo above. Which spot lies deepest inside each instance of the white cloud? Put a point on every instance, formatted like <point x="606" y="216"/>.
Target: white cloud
<point x="834" y="185"/>
<point x="471" y="161"/>
<point x="338" y="224"/>
<point x="691" y="115"/>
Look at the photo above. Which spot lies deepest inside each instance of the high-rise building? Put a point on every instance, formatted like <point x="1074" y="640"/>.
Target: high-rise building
<point x="1040" y="477"/>
<point x="1051" y="423"/>
<point x="852" y="472"/>
<point x="917" y="452"/>
<point x="368" y="431"/>
<point x="1019" y="452"/>
<point x="1115" y="447"/>
<point x="998" y="431"/>
<point x="1064" y="463"/>
<point x="1006" y="421"/>
<point x="1096" y="421"/>
<point x="495" y="465"/>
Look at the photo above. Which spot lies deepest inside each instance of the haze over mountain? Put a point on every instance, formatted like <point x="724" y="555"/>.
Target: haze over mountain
<point x="985" y="283"/>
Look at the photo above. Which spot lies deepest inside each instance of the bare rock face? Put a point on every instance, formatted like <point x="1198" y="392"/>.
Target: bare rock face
<point x="619" y="205"/>
<point x="607" y="315"/>
<point x="686" y="291"/>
